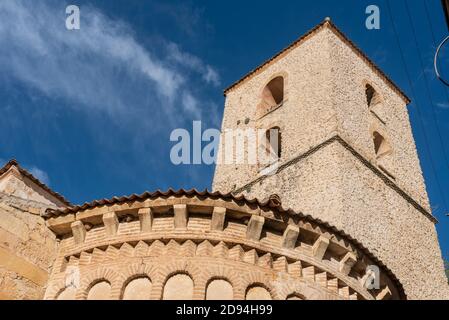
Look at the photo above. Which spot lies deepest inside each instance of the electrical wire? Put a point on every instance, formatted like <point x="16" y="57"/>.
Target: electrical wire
<point x="435" y="62"/>
<point x="426" y="81"/>
<point x="421" y="122"/>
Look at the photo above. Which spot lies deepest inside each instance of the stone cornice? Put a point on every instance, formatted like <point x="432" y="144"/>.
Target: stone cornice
<point x="242" y="227"/>
<point x="362" y="159"/>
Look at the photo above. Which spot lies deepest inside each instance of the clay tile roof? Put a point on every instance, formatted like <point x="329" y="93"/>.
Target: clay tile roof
<point x="14" y="163"/>
<point x="326" y="23"/>
<point x="272" y="202"/>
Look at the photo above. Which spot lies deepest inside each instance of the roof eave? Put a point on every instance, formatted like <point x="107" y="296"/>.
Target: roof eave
<point x="25" y="173"/>
<point x="326" y="23"/>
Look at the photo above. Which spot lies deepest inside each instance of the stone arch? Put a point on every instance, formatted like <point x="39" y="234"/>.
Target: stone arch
<point x="260" y="279"/>
<point x="178" y="286"/>
<point x="308" y="291"/>
<point x="54" y="289"/>
<point x="99" y="275"/>
<point x="100" y="290"/>
<point x="295" y="296"/>
<point x="67" y="293"/>
<point x="223" y="273"/>
<point x="219" y="288"/>
<point x="272" y="94"/>
<point x="183" y="267"/>
<point x="373" y="97"/>
<point x="258" y="291"/>
<point x="136" y="271"/>
<point x="137" y="287"/>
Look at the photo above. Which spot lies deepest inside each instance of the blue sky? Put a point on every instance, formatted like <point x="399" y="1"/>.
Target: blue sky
<point x="90" y="112"/>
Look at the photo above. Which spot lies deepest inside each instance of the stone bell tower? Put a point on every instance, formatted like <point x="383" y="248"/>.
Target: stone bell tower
<point x="347" y="154"/>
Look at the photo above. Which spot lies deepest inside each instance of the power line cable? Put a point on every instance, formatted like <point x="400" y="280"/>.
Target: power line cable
<point x="421" y="122"/>
<point x="438" y="48"/>
<point x="435" y="62"/>
<point x="426" y="81"/>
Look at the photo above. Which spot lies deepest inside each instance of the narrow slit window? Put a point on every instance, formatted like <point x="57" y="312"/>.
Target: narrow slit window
<point x="372" y="97"/>
<point x="273" y="142"/>
<point x="381" y="146"/>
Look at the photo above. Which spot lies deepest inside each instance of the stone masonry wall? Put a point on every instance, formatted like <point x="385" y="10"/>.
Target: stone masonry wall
<point x="334" y="186"/>
<point x="27" y="249"/>
<point x="306" y="117"/>
<point x="325" y="98"/>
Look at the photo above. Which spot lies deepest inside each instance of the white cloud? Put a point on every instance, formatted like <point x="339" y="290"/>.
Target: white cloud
<point x="101" y="67"/>
<point x="443" y="105"/>
<point x="191" y="104"/>
<point x="208" y="73"/>
<point x="41" y="175"/>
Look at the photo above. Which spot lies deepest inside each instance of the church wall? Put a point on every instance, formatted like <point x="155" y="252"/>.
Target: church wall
<point x="306" y="118"/>
<point x="337" y="187"/>
<point x="27" y="250"/>
<point x="355" y="121"/>
<point x="248" y="254"/>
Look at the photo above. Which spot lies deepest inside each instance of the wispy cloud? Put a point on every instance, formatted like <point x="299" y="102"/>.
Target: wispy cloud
<point x="208" y="73"/>
<point x="101" y="67"/>
<point x="35" y="171"/>
<point x="40" y="174"/>
<point x="186" y="16"/>
<point x="443" y="105"/>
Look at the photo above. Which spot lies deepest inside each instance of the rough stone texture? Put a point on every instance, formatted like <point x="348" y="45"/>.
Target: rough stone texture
<point x="13" y="183"/>
<point x="27" y="247"/>
<point x="27" y="250"/>
<point x="199" y="263"/>
<point x="213" y="246"/>
<point x="325" y="97"/>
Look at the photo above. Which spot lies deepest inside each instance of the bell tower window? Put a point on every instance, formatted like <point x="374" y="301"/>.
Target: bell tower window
<point x="381" y="146"/>
<point x="372" y="97"/>
<point x="272" y="96"/>
<point x="273" y="142"/>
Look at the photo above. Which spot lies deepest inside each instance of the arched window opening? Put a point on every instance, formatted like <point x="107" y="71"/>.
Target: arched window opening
<point x="272" y="96"/>
<point x="381" y="146"/>
<point x="273" y="140"/>
<point x="178" y="287"/>
<point x="372" y="97"/>
<point x="258" y="293"/>
<point x="138" y="289"/>
<point x="67" y="294"/>
<point x="295" y="296"/>
<point x="100" y="291"/>
<point x="219" y="290"/>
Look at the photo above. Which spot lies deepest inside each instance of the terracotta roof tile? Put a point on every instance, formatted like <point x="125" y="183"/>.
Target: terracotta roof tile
<point x="24" y="172"/>
<point x="333" y="27"/>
